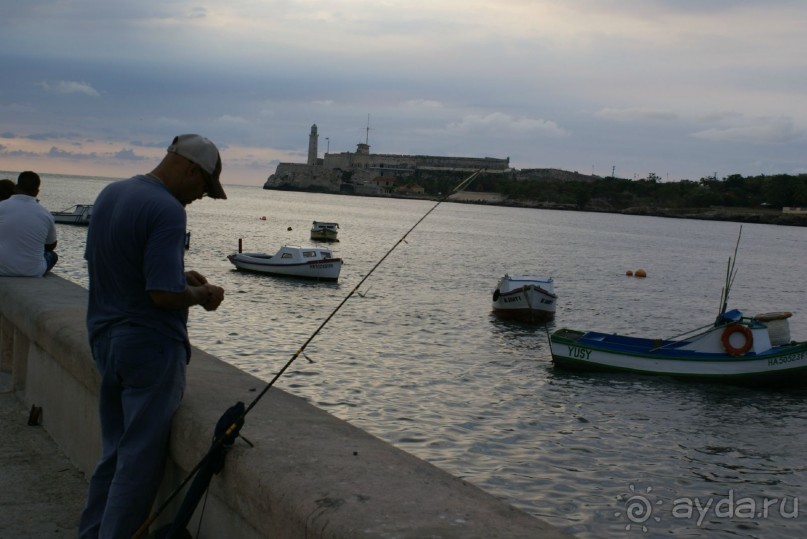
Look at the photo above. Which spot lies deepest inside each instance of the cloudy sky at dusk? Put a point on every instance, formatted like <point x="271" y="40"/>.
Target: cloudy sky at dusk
<point x="679" y="88"/>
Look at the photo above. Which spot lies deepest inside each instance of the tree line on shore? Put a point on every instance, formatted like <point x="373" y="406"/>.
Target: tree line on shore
<point x="735" y="191"/>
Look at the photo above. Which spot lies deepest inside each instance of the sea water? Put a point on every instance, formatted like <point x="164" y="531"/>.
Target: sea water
<point x="417" y="359"/>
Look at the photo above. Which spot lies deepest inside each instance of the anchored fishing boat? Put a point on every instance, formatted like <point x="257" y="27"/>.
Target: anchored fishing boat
<point x="291" y="261"/>
<point x="77" y="215"/>
<point x="322" y="231"/>
<point x="735" y="348"/>
<point x="525" y="297"/>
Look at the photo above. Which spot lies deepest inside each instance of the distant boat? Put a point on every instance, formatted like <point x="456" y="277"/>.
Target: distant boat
<point x="77" y="215"/>
<point x="291" y="261"/>
<point x="322" y="231"/>
<point x="525" y="297"/>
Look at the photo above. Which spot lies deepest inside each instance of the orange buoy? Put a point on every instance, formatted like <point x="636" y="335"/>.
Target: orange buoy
<point x="640" y="273"/>
<point x="629" y="273"/>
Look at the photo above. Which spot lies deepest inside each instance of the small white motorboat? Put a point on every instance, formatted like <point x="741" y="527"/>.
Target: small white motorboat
<point x="78" y="215"/>
<point x="292" y="261"/>
<point x="525" y="297"/>
<point x="322" y="231"/>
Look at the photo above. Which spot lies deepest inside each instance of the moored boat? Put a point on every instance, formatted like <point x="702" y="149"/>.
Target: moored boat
<point x="735" y="348"/>
<point x="324" y="231"/>
<point x="77" y="215"/>
<point x="525" y="297"/>
<point x="291" y="261"/>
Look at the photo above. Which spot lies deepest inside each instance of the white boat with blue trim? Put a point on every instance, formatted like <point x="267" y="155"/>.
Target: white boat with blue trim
<point x="735" y="348"/>
<point x="525" y="297"/>
<point x="291" y="261"/>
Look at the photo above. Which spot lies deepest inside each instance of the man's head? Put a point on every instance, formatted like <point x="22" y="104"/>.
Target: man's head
<point x="7" y="188"/>
<point x="199" y="150"/>
<point x="28" y="183"/>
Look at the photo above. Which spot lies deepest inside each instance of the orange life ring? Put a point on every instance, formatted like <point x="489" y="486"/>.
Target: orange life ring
<point x="726" y="339"/>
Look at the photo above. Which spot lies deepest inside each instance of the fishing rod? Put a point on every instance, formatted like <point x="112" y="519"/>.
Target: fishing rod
<point x="227" y="436"/>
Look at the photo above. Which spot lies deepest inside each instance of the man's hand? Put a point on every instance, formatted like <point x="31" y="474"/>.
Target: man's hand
<point x="215" y="295"/>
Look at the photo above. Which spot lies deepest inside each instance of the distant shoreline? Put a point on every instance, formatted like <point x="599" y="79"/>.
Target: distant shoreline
<point x="721" y="213"/>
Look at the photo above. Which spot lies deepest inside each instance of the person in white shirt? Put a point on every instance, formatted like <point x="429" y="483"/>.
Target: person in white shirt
<point x="27" y="232"/>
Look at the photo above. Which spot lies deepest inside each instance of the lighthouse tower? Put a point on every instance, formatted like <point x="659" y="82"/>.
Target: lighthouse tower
<point x="312" y="145"/>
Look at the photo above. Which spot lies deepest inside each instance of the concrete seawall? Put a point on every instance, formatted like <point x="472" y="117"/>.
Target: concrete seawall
<point x="309" y="474"/>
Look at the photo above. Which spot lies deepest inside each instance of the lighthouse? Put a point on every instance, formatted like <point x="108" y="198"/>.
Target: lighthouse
<point x="312" y="145"/>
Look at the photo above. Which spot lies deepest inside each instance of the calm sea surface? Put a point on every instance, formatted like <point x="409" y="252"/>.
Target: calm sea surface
<point x="418" y="360"/>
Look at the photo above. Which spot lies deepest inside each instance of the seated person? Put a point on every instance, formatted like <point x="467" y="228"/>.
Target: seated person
<point x="7" y="188"/>
<point x="27" y="232"/>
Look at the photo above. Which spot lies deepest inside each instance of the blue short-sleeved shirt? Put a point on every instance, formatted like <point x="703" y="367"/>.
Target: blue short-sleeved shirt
<point x="135" y="244"/>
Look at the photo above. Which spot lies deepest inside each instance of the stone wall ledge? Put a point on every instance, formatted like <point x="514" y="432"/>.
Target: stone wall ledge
<point x="309" y="473"/>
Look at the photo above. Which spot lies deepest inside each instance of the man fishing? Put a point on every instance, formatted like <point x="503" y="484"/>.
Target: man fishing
<point x="139" y="295"/>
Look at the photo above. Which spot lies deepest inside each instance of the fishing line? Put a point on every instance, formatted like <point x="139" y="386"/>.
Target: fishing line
<point x="236" y="425"/>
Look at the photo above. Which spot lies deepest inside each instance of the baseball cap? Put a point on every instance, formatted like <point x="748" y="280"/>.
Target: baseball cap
<point x="197" y="149"/>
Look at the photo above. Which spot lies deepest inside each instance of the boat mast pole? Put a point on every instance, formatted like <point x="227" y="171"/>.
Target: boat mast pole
<point x="731" y="273"/>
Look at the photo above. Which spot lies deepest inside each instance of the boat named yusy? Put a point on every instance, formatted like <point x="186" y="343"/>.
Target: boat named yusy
<point x="734" y="348"/>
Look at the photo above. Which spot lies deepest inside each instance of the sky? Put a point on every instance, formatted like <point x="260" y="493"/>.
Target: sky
<point x="683" y="89"/>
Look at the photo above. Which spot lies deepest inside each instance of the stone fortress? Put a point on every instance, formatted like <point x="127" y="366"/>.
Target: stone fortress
<point x="364" y="173"/>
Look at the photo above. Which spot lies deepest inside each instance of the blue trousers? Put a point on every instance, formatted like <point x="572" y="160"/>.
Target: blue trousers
<point x="50" y="260"/>
<point x="142" y="382"/>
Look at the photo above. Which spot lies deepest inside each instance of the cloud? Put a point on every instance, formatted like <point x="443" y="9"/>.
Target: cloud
<point x="143" y="144"/>
<point x="19" y="153"/>
<point x="718" y="116"/>
<point x="499" y="123"/>
<point x="443" y="78"/>
<point x="51" y="136"/>
<point x="62" y="154"/>
<point x="128" y="155"/>
<point x="228" y="119"/>
<point x="69" y="87"/>
<point x="17" y="107"/>
<point x="197" y="13"/>
<point x="766" y="132"/>
<point x="635" y="114"/>
<point x="423" y="103"/>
